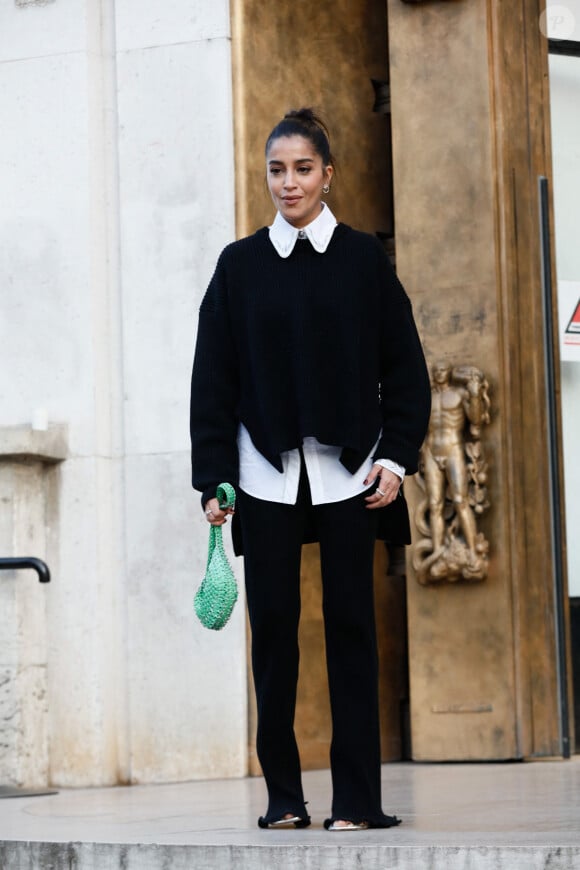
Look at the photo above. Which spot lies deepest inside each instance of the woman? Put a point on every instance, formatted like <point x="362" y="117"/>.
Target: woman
<point x="311" y="396"/>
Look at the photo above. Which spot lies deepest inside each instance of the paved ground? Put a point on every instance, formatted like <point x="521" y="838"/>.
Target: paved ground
<point x="520" y="815"/>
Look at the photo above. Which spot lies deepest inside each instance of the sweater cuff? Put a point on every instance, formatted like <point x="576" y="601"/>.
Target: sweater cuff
<point x="407" y="457"/>
<point x="208" y="493"/>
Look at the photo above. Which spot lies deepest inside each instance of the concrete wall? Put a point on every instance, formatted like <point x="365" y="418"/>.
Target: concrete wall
<point x="118" y="193"/>
<point x="565" y="98"/>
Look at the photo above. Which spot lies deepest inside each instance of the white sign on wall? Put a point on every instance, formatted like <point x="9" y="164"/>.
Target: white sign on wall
<point x="569" y="320"/>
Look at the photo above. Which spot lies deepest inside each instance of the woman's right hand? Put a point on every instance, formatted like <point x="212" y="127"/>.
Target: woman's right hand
<point x="214" y="514"/>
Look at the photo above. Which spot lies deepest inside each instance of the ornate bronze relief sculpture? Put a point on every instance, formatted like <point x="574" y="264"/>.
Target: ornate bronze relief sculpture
<point x="452" y="475"/>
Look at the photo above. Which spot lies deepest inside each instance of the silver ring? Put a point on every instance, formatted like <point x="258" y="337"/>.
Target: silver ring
<point x="380" y="492"/>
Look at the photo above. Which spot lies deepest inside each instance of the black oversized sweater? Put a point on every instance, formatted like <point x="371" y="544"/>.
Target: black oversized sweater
<point x="319" y="345"/>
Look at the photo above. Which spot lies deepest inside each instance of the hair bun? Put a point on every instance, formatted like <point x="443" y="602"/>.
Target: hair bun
<point x="306" y="115"/>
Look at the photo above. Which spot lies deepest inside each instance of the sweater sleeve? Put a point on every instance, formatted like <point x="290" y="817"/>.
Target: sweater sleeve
<point x="404" y="379"/>
<point x="214" y="393"/>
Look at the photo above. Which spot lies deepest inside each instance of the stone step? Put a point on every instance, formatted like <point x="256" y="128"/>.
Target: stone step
<point x="345" y="856"/>
<point x="515" y="816"/>
<point x="342" y="856"/>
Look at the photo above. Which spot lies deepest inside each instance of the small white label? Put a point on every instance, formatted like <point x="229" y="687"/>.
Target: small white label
<point x="40" y="419"/>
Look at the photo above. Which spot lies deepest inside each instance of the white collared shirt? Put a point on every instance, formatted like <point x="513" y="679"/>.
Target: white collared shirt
<point x="319" y="232"/>
<point x="329" y="480"/>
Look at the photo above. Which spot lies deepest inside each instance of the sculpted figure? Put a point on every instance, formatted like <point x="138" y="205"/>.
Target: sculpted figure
<point x="453" y="474"/>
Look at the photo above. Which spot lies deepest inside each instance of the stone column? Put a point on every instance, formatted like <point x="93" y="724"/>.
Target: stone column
<point x="471" y="135"/>
<point x="27" y="462"/>
<point x="112" y="225"/>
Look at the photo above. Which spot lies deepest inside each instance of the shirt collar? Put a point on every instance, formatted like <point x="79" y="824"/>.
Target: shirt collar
<point x="319" y="232"/>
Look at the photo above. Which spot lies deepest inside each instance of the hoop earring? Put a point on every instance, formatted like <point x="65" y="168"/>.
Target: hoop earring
<point x="326" y="188"/>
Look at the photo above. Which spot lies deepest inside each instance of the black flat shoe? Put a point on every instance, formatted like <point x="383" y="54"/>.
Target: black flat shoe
<point x="291" y="822"/>
<point x="347" y="826"/>
<point x="384" y="822"/>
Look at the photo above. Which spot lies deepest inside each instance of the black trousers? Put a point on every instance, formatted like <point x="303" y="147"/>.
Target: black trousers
<point x="272" y="538"/>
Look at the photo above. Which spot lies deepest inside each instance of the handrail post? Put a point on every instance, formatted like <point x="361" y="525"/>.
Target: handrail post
<point x="553" y="465"/>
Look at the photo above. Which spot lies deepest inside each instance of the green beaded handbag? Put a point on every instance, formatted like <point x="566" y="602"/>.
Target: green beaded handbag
<point x="215" y="598"/>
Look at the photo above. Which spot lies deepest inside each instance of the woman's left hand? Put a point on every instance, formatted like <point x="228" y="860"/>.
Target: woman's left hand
<point x="214" y="514"/>
<point x="387" y="487"/>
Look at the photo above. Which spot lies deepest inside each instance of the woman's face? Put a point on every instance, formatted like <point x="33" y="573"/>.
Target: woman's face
<point x="295" y="178"/>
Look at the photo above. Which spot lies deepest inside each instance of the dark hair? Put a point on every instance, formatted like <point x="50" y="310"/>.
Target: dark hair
<point x="306" y="123"/>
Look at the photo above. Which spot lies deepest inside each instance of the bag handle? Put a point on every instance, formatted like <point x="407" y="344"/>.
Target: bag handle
<point x="226" y="495"/>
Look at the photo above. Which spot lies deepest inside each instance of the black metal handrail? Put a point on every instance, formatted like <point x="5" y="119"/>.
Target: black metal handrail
<point x="41" y="568"/>
<point x="568" y="47"/>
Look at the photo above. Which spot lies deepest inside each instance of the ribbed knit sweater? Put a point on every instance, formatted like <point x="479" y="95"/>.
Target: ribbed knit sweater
<point x="316" y="344"/>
